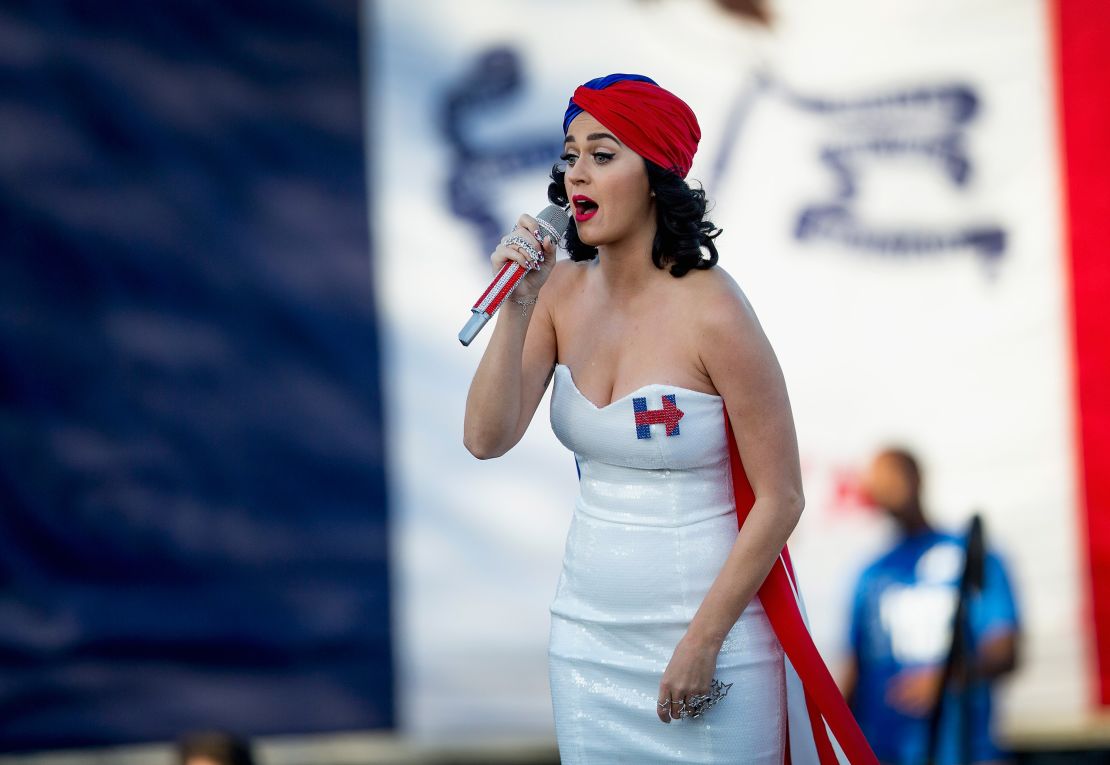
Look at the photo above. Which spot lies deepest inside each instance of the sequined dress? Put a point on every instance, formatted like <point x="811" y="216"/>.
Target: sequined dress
<point x="653" y="523"/>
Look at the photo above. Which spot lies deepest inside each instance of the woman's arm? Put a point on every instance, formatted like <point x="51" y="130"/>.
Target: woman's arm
<point x="744" y="369"/>
<point x="517" y="364"/>
<point x="739" y="360"/>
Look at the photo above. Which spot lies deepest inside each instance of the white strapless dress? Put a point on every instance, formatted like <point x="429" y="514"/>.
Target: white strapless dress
<point x="653" y="523"/>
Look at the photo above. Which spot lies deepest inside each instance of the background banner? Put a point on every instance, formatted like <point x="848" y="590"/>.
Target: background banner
<point x="192" y="491"/>
<point x="888" y="182"/>
<point x="239" y="241"/>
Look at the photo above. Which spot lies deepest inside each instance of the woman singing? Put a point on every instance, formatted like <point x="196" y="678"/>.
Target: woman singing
<point x="667" y="632"/>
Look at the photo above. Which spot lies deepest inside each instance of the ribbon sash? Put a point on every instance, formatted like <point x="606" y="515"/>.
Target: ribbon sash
<point x="781" y="601"/>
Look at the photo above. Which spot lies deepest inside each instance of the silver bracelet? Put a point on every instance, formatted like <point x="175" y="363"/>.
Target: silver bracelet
<point x="524" y="303"/>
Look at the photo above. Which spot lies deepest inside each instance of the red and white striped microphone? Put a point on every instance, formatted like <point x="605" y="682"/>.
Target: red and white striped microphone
<point x="553" y="221"/>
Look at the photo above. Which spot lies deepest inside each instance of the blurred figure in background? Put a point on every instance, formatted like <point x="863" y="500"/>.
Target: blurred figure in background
<point x="901" y="629"/>
<point x="213" y="748"/>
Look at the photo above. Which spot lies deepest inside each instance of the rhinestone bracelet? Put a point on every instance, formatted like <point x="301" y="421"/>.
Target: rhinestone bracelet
<point x="524" y="304"/>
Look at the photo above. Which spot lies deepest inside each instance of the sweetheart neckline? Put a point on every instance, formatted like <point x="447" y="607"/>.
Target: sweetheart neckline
<point x="574" y="385"/>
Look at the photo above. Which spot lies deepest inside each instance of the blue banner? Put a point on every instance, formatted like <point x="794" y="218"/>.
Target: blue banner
<point x="193" y="525"/>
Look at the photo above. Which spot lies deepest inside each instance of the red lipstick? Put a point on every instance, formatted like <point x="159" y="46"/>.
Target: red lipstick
<point x="584" y="207"/>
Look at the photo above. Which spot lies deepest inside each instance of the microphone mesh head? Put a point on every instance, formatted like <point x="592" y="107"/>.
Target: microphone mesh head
<point x="554" y="220"/>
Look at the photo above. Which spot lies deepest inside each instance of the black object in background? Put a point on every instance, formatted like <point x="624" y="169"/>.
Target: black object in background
<point x="959" y="666"/>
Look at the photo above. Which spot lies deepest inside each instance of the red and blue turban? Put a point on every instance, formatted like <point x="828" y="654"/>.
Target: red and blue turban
<point x="652" y="121"/>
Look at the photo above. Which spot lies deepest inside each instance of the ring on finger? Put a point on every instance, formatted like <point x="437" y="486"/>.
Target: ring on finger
<point x="513" y="238"/>
<point x="517" y="239"/>
<point x="527" y="249"/>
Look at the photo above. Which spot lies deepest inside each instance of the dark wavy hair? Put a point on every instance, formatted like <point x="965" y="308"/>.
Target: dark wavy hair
<point x="681" y="232"/>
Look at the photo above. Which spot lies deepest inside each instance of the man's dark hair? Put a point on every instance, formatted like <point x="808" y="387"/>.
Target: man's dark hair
<point x="906" y="461"/>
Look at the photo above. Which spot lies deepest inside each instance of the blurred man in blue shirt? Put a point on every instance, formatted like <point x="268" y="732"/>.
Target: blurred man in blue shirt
<point x="901" y="630"/>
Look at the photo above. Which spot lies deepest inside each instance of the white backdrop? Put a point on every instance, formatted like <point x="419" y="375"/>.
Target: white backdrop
<point x="886" y="175"/>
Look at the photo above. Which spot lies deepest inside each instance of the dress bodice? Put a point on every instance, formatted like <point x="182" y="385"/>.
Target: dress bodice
<point x="656" y="456"/>
<point x="655" y="426"/>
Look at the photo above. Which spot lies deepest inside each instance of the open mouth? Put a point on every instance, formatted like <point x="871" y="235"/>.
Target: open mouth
<point x="584" y="207"/>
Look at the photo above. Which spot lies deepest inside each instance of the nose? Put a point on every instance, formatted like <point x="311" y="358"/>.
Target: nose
<point x="576" y="173"/>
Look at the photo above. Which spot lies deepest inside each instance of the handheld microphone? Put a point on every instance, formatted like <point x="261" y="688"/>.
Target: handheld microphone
<point x="553" y="221"/>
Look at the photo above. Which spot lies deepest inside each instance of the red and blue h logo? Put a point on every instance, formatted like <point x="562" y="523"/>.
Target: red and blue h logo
<point x="669" y="415"/>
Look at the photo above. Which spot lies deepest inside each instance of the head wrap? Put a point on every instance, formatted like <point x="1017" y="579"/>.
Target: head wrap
<point x="652" y="121"/>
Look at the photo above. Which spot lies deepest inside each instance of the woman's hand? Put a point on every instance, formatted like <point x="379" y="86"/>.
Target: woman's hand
<point x="689" y="672"/>
<point x="527" y="228"/>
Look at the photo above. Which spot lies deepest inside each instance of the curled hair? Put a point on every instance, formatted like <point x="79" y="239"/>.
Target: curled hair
<point x="681" y="232"/>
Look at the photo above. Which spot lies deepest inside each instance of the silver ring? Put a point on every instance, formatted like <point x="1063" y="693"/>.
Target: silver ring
<point x="524" y="243"/>
<point x="533" y="254"/>
<point x="701" y="703"/>
<point x="511" y="236"/>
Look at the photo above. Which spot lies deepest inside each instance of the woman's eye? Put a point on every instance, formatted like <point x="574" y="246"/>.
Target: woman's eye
<point x="569" y="158"/>
<point x="602" y="157"/>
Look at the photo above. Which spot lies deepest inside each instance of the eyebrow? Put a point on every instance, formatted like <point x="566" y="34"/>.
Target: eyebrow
<point x="595" y="137"/>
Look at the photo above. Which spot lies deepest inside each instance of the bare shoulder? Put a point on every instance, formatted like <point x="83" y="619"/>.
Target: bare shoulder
<point x="739" y="360"/>
<point x="564" y="276"/>
<point x="566" y="269"/>
<point x="718" y="304"/>
<point x="723" y="329"/>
